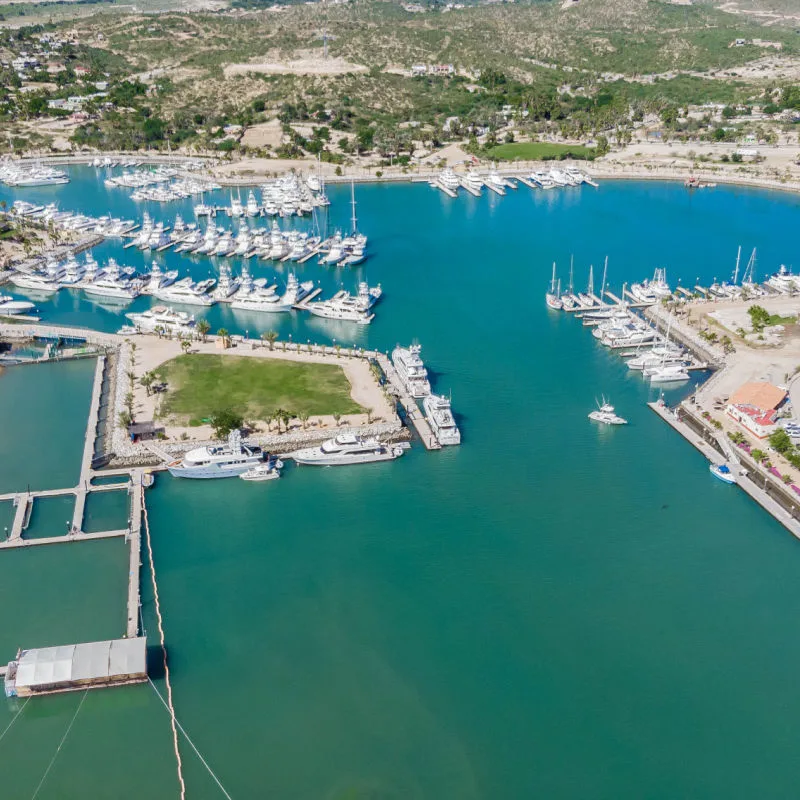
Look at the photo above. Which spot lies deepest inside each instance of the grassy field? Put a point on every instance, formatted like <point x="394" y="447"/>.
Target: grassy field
<point x="201" y="384"/>
<point x="539" y="151"/>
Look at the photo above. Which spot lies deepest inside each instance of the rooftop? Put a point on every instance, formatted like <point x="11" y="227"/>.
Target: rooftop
<point x="760" y="395"/>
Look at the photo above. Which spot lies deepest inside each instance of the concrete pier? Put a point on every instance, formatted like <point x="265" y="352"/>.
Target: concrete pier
<point x="413" y="413"/>
<point x="76" y="536"/>
<point x="746" y="479"/>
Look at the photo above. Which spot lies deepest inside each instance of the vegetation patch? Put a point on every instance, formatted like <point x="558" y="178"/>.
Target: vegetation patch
<point x="540" y="151"/>
<point x="256" y="388"/>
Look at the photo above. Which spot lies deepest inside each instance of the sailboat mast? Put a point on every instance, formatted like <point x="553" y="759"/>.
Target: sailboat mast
<point x="736" y="271"/>
<point x="603" y="285"/>
<point x="353" y="201"/>
<point x="571" y="287"/>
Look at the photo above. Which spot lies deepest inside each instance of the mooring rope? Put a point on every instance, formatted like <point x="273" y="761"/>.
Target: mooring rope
<point x="14" y="719"/>
<point x="170" y="706"/>
<point x="60" y="745"/>
<point x="191" y="743"/>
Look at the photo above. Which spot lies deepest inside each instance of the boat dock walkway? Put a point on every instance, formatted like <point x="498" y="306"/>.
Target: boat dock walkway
<point x="78" y="536"/>
<point x="135" y="540"/>
<point x="413" y="413"/>
<point x="446" y="189"/>
<point x="721" y="451"/>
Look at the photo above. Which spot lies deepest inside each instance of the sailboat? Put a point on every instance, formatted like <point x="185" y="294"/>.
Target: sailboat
<point x="568" y="300"/>
<point x="355" y="244"/>
<point x="749" y="284"/>
<point x="552" y="297"/>
<point x="586" y="298"/>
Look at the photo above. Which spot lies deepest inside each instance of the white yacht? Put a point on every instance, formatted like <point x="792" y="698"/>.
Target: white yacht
<point x="440" y="418"/>
<point x="35" y="281"/>
<point x="449" y="179"/>
<point x="184" y="292"/>
<point x="667" y="373"/>
<point x="472" y="180"/>
<point x="347" y="448"/>
<point x="255" y="295"/>
<point x="159" y="279"/>
<point x="112" y="282"/>
<point x="162" y="318"/>
<point x="348" y="308"/>
<point x="266" y="471"/>
<point x="253" y="209"/>
<point x="220" y="461"/>
<point x="552" y="297"/>
<point x="227" y="285"/>
<point x="606" y="414"/>
<point x="411" y="370"/>
<point x="8" y="305"/>
<point x="236" y="209"/>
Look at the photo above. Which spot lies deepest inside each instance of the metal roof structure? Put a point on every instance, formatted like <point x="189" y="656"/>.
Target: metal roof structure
<point x="93" y="662"/>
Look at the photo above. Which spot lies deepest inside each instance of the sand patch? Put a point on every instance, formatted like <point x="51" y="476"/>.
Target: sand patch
<point x="300" y="66"/>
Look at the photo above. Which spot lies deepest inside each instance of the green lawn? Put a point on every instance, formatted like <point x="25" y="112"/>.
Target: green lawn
<point x="539" y="151"/>
<point x="201" y="384"/>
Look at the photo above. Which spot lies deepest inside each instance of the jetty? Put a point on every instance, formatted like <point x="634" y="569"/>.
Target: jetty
<point x="759" y="485"/>
<point x="409" y="404"/>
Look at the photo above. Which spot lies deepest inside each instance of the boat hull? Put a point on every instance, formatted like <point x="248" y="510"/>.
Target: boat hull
<point x="210" y="471"/>
<point x="323" y="461"/>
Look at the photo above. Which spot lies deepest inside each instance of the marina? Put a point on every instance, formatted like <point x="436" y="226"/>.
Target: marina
<point x="411" y="563"/>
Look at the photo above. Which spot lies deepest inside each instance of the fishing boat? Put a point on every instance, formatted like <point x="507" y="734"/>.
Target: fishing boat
<point x="722" y="472"/>
<point x="606" y="414"/>
<point x="551" y="298"/>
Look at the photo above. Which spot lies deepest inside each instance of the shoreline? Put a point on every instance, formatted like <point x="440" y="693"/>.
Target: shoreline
<point x="366" y="175"/>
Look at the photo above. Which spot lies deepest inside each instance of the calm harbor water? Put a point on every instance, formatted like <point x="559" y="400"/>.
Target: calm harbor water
<point x="551" y="610"/>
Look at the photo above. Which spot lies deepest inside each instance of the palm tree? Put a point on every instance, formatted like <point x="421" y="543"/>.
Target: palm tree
<point x="269" y="336"/>
<point x="147" y="381"/>
<point x="223" y="334"/>
<point x="186" y="345"/>
<point x="129" y="404"/>
<point x="268" y="419"/>
<point x="303" y="417"/>
<point x="369" y="413"/>
<point x="124" y="419"/>
<point x="336" y="418"/>
<point x="285" y="417"/>
<point x="203" y="327"/>
<point x="338" y="349"/>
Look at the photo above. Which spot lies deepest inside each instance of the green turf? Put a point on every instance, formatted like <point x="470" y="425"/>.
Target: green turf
<point x="538" y="151"/>
<point x="201" y="384"/>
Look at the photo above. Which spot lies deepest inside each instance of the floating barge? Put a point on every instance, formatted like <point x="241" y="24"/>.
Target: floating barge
<point x="74" y="667"/>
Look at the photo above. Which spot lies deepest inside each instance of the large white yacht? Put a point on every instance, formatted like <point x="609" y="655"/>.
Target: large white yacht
<point x="348" y="308"/>
<point x="8" y="305"/>
<point x="411" y="370"/>
<point x="164" y="319"/>
<point x="347" y="448"/>
<point x="440" y="418"/>
<point x="158" y="279"/>
<point x="185" y="292"/>
<point x="219" y="461"/>
<point x="35" y="282"/>
<point x="255" y="295"/>
<point x="112" y="283"/>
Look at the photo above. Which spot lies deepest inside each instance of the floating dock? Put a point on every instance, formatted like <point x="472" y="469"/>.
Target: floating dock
<point x="446" y="189"/>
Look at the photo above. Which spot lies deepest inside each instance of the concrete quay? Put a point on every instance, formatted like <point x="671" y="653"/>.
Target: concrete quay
<point x="758" y="485"/>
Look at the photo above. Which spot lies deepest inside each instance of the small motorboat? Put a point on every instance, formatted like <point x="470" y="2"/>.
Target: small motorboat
<point x="264" y="472"/>
<point x="722" y="472"/>
<point x="148" y="479"/>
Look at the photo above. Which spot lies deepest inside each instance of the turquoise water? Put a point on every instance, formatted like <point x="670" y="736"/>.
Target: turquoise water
<point x="50" y="516"/>
<point x="551" y="610"/>
<point x="106" y="511"/>
<point x="44" y="410"/>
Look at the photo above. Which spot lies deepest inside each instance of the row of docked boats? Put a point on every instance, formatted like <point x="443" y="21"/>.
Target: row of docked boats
<point x="646" y="292"/>
<point x="449" y="181"/>
<point x="273" y="244"/>
<point x="245" y="293"/>
<point x="248" y="461"/>
<point x="413" y="376"/>
<point x="107" y="226"/>
<point x="14" y="173"/>
<point x="285" y="197"/>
